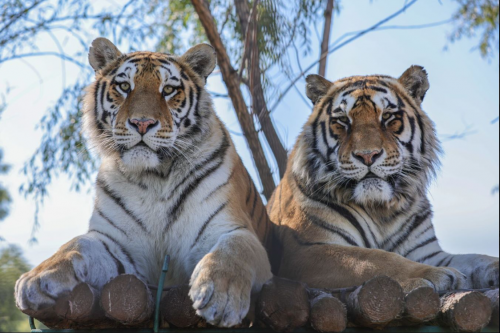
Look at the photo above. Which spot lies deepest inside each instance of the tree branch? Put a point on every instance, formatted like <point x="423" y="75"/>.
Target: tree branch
<point x="258" y="98"/>
<point x="326" y="36"/>
<point x="230" y="77"/>
<point x="332" y="50"/>
<point x="242" y="7"/>
<point x="38" y="54"/>
<point x="19" y="15"/>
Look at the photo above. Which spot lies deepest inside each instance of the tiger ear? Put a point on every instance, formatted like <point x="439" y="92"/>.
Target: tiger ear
<point x="202" y="59"/>
<point x="102" y="52"/>
<point x="416" y="82"/>
<point x="317" y="87"/>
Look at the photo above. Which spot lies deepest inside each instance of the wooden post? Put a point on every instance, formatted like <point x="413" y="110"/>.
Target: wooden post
<point x="465" y="311"/>
<point x="177" y="308"/>
<point x="493" y="296"/>
<point x="283" y="305"/>
<point x="422" y="302"/>
<point x="127" y="300"/>
<point x="376" y="303"/>
<point x="328" y="314"/>
<point x="81" y="305"/>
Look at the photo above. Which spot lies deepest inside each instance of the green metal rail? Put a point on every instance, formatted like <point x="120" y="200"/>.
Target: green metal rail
<point x="156" y="326"/>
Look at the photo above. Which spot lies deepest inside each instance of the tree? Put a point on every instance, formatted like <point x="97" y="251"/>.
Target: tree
<point x="476" y="16"/>
<point x="161" y="23"/>
<point x="254" y="40"/>
<point x="12" y="265"/>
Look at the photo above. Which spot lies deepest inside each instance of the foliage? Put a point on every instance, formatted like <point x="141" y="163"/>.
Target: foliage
<point x="478" y="16"/>
<point x="5" y="198"/>
<point x="166" y="26"/>
<point x="12" y="265"/>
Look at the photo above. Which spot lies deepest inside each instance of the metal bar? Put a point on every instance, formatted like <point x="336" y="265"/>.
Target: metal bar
<point x="164" y="270"/>
<point x="259" y="330"/>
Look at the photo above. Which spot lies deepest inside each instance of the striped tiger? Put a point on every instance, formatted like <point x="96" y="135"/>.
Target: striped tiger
<point x="353" y="203"/>
<point x="170" y="182"/>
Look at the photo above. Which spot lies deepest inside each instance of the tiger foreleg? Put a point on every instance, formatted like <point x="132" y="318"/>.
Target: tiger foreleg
<point x="481" y="271"/>
<point x="223" y="281"/>
<point x="337" y="266"/>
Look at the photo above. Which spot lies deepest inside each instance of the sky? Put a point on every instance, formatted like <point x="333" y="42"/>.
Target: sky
<point x="464" y="94"/>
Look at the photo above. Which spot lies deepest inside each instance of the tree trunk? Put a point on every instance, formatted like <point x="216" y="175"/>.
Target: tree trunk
<point x="249" y="26"/>
<point x="326" y="36"/>
<point x="232" y="81"/>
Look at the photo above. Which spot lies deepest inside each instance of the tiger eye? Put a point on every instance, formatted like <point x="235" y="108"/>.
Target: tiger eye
<point x="387" y="116"/>
<point x="167" y="90"/>
<point x="125" y="86"/>
<point x="344" y="119"/>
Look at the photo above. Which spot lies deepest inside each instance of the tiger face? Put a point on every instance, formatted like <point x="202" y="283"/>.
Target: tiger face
<point x="368" y="139"/>
<point x="146" y="104"/>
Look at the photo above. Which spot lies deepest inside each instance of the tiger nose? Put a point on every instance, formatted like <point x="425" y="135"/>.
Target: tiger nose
<point x="143" y="125"/>
<point x="368" y="158"/>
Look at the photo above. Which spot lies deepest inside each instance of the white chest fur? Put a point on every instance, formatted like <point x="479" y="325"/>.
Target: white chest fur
<point x="153" y="215"/>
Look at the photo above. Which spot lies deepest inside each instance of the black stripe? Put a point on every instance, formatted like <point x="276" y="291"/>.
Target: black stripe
<point x="105" y="188"/>
<point x="96" y="107"/>
<point x="220" y="186"/>
<point x="377" y="89"/>
<point x="220" y="152"/>
<point x="341" y="211"/>
<point x="136" y="60"/>
<point x="122" y="249"/>
<point x="305" y="243"/>
<point x="337" y="231"/>
<point x="421" y="245"/>
<point x="430" y="256"/>
<point x="207" y="222"/>
<point x="443" y="260"/>
<point x="449" y="261"/>
<point x="103" y="94"/>
<point x="348" y="92"/>
<point x="423" y="148"/>
<point x="418" y="220"/>
<point x="101" y="214"/>
<point x="119" y="265"/>
<point x="377" y="245"/>
<point x="174" y="212"/>
<point x="426" y="230"/>
<point x="409" y="144"/>
<point x="235" y="229"/>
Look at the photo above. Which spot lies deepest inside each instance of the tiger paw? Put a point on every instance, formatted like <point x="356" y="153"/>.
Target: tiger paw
<point x="221" y="294"/>
<point x="442" y="278"/>
<point x="484" y="272"/>
<point x="37" y="291"/>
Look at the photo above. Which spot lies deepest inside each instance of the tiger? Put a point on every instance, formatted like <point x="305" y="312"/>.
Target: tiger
<point x="353" y="202"/>
<point x="170" y="183"/>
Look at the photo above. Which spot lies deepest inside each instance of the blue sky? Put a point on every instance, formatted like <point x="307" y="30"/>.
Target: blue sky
<point x="464" y="94"/>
